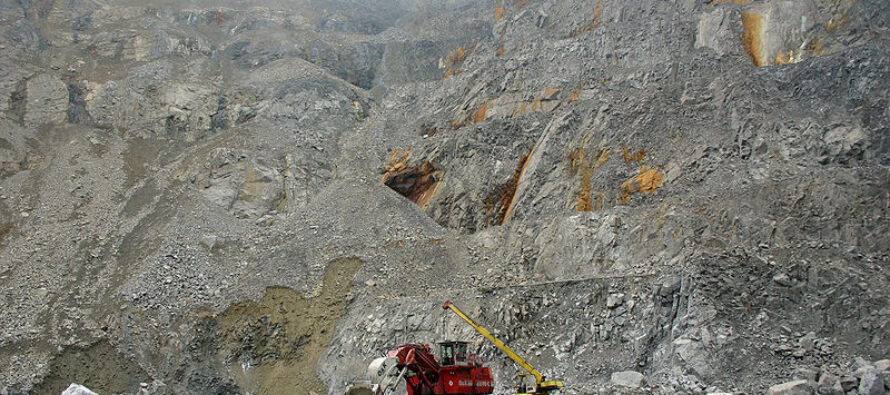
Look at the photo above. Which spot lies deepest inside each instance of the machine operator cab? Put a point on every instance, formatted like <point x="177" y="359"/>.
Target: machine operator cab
<point x="454" y="353"/>
<point x="522" y="384"/>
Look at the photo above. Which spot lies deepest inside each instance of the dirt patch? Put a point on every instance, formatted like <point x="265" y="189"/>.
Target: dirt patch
<point x="272" y="346"/>
<point x="139" y="154"/>
<point x="17" y="101"/>
<point x="5" y="229"/>
<point x="99" y="367"/>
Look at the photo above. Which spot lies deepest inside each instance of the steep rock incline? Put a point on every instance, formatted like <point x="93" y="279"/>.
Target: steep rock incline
<point x="223" y="197"/>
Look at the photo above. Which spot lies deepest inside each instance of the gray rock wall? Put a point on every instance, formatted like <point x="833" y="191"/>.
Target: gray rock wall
<point x="638" y="196"/>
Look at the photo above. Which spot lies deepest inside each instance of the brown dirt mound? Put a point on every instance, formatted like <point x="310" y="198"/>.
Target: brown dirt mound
<point x="99" y="367"/>
<point x="273" y="345"/>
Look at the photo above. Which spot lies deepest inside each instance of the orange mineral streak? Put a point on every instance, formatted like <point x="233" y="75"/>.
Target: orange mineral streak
<point x="782" y="58"/>
<point x="454" y="58"/>
<point x="549" y="91"/>
<point x="499" y="13"/>
<point x="595" y="23"/>
<point x="598" y="14"/>
<point x="451" y="72"/>
<point x="479" y="115"/>
<point x="398" y="161"/>
<point x="739" y="2"/>
<point x="631" y="156"/>
<point x="580" y="165"/>
<point x="814" y="48"/>
<point x="539" y="103"/>
<point x="751" y="39"/>
<point x="647" y="181"/>
<point x="576" y="94"/>
<point x="499" y="205"/>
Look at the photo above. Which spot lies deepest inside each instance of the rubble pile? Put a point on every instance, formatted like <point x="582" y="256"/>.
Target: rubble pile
<point x="638" y="196"/>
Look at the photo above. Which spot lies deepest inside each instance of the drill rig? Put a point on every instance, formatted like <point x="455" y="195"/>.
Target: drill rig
<point x="540" y="387"/>
<point x="455" y="371"/>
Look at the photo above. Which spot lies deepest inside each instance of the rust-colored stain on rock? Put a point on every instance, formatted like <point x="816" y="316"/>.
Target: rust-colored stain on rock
<point x="417" y="183"/>
<point x="454" y="58"/>
<point x="576" y="94"/>
<point x="499" y="204"/>
<point x="582" y="165"/>
<point x="647" y="181"/>
<point x="751" y="39"/>
<point x="452" y="72"/>
<point x="499" y="13"/>
<point x="479" y="115"/>
<point x="739" y="2"/>
<point x="549" y="92"/>
<point x="631" y="156"/>
<point x="783" y="58"/>
<point x="595" y="23"/>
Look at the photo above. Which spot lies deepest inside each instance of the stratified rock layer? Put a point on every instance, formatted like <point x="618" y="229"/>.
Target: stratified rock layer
<point x="221" y="197"/>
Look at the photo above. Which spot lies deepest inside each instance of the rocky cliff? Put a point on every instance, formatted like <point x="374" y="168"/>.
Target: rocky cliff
<point x="261" y="197"/>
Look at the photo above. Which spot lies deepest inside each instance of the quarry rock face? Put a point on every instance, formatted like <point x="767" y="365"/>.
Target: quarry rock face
<point x="637" y="196"/>
<point x="47" y="101"/>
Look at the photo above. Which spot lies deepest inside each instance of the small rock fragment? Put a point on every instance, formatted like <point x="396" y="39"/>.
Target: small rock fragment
<point x="614" y="300"/>
<point x="628" y="378"/>
<point x="804" y="373"/>
<point x="209" y="241"/>
<point x="796" y="387"/>
<point x="848" y="383"/>
<point x="782" y="279"/>
<point x="77" y="389"/>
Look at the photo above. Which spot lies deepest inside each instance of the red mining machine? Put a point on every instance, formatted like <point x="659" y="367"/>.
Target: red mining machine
<point x="455" y="371"/>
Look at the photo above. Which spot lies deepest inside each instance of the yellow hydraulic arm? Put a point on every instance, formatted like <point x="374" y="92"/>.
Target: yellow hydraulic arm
<point x="541" y="386"/>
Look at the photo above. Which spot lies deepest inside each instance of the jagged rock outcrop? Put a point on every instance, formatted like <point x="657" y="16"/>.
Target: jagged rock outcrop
<point x="221" y="198"/>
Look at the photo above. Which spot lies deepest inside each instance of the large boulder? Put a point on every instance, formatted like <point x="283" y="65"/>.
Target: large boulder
<point x="871" y="383"/>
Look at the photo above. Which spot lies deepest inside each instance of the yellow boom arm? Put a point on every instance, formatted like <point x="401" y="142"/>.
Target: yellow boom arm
<point x="542" y="386"/>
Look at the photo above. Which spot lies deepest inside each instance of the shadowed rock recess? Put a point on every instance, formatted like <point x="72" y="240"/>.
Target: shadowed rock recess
<point x="262" y="197"/>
